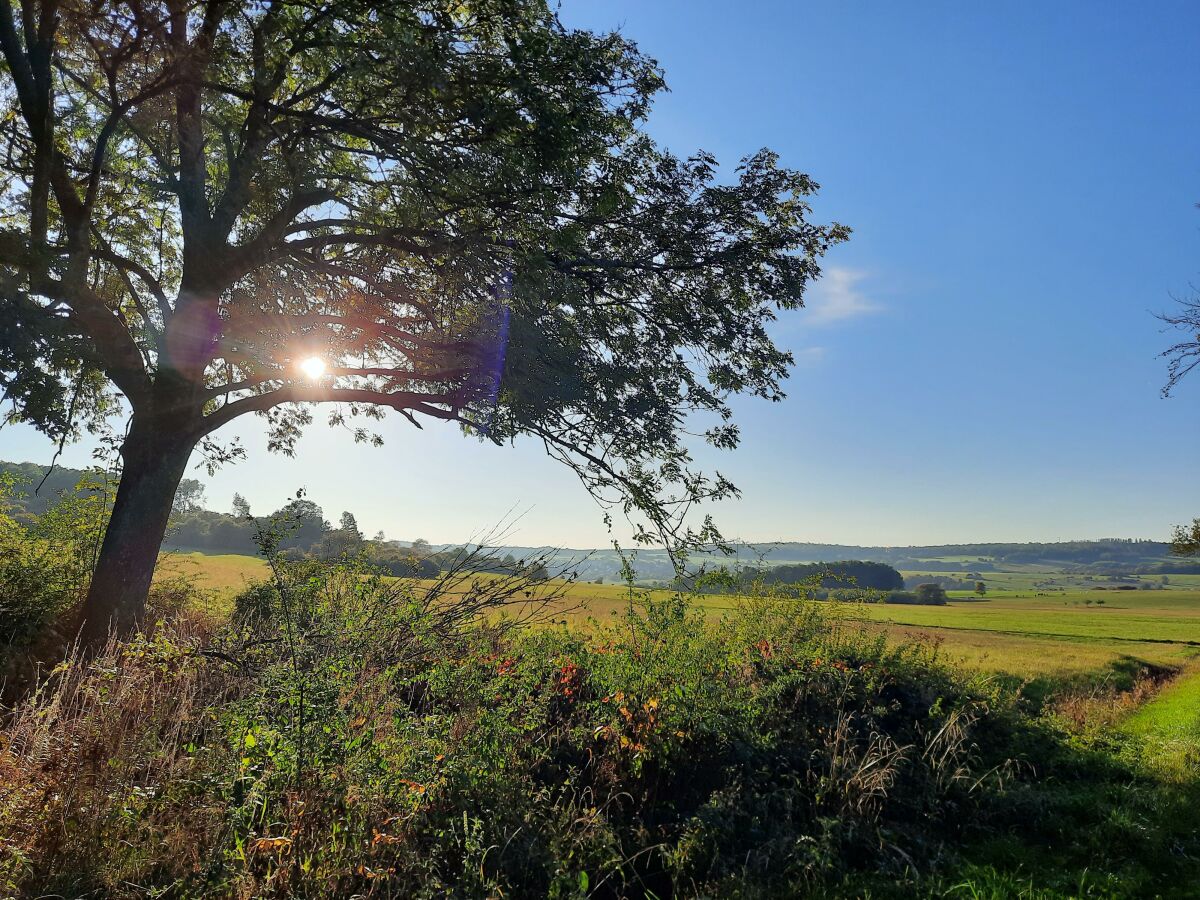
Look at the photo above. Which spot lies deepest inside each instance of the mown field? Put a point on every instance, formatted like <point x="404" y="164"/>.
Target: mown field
<point x="1026" y="580"/>
<point x="223" y="574"/>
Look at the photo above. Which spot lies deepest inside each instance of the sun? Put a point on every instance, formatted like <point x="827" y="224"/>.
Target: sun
<point x="313" y="367"/>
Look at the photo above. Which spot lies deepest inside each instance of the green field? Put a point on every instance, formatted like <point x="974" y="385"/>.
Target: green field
<point x="1039" y="636"/>
<point x="1169" y="726"/>
<point x="1172" y="617"/>
<point x="224" y="575"/>
<point x="1057" y="635"/>
<point x="1038" y="580"/>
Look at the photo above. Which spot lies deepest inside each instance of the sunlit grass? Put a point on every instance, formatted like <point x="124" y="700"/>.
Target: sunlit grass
<point x="1125" y="616"/>
<point x="1169" y="727"/>
<point x="1041" y="657"/>
<point x="1055" y="636"/>
<point x="223" y="574"/>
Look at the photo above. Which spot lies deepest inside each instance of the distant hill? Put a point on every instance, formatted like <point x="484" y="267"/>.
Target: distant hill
<point x="28" y="475"/>
<point x="222" y="533"/>
<point x="1111" y="556"/>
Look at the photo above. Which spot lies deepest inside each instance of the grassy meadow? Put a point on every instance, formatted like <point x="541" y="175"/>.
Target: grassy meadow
<point x="1033" y="637"/>
<point x="224" y="575"/>
<point x="1066" y="633"/>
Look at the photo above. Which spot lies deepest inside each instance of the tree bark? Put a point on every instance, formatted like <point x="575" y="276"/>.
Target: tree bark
<point x="155" y="458"/>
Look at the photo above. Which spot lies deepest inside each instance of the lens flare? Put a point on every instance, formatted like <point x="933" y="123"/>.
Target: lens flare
<point x="313" y="367"/>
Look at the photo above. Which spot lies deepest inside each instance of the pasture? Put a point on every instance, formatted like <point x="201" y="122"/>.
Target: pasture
<point x="222" y="576"/>
<point x="1059" y="635"/>
<point x="1134" y="616"/>
<point x="1032" y="580"/>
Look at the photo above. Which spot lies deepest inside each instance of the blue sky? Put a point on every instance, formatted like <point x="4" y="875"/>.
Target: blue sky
<point x="978" y="364"/>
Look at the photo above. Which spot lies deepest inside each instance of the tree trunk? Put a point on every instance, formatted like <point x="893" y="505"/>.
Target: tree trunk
<point x="154" y="462"/>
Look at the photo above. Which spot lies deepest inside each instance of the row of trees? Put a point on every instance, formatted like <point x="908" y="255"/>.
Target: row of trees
<point x="308" y="533"/>
<point x="1186" y="540"/>
<point x="981" y="557"/>
<point x="846" y="574"/>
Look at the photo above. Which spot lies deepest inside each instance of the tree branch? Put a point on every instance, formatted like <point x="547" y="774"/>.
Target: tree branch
<point x="112" y="342"/>
<point x="396" y="375"/>
<point x="144" y="275"/>
<point x="403" y="401"/>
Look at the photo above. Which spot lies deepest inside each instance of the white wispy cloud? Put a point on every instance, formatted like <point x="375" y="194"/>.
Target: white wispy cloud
<point x="837" y="297"/>
<point x="809" y="356"/>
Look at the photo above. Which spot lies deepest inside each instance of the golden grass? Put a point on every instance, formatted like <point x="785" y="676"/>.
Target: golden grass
<point x="223" y="574"/>
<point x="1030" y="656"/>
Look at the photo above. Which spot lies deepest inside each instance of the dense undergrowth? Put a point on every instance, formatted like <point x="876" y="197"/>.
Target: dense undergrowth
<point x="347" y="735"/>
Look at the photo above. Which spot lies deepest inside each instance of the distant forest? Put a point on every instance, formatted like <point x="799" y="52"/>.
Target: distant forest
<point x="309" y="534"/>
<point x="871" y="576"/>
<point x="195" y="527"/>
<point x="1121" y="554"/>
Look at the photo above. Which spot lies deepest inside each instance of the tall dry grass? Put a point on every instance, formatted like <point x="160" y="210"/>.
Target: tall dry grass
<point x="98" y="736"/>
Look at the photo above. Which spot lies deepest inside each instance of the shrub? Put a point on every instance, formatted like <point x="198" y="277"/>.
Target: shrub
<point x="930" y="594"/>
<point x="347" y="734"/>
<point x="45" y="563"/>
<point x="915" y="598"/>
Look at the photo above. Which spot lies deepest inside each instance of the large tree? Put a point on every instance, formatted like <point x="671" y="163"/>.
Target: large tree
<point x="448" y="209"/>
